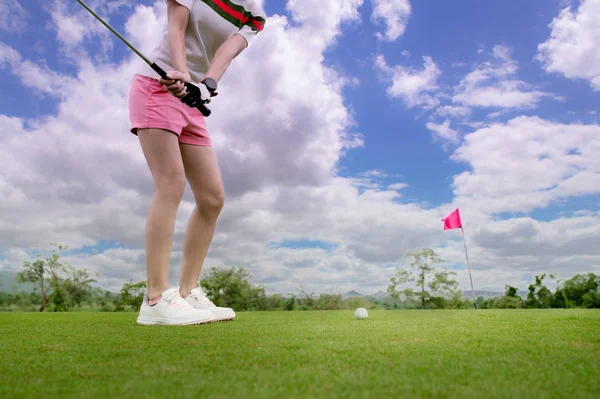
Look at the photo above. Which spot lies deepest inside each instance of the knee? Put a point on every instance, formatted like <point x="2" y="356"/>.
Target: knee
<point x="211" y="202"/>
<point x="171" y="188"/>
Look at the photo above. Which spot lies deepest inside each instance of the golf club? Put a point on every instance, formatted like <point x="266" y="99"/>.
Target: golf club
<point x="201" y="107"/>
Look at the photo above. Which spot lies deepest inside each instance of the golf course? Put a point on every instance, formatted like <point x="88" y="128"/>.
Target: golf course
<point x="300" y="199"/>
<point x="533" y="353"/>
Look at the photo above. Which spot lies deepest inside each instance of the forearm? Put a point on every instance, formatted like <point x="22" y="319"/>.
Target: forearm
<point x="177" y="51"/>
<point x="224" y="55"/>
<point x="178" y="17"/>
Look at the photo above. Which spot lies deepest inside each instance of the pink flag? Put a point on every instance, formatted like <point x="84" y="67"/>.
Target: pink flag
<point x="452" y="221"/>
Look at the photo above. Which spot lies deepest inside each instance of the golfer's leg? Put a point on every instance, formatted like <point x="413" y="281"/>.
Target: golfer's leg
<point x="203" y="174"/>
<point x="161" y="149"/>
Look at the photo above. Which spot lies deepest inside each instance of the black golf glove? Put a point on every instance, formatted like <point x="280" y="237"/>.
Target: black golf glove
<point x="196" y="94"/>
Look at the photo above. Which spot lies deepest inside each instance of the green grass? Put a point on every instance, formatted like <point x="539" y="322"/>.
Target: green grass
<point x="329" y="354"/>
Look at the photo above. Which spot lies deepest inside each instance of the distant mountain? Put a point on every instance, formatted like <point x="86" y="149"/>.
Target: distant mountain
<point x="351" y="294"/>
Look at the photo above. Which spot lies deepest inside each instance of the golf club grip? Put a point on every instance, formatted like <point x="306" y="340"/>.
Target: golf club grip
<point x="201" y="107"/>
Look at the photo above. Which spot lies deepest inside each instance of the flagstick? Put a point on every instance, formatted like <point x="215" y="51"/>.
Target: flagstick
<point x="469" y="266"/>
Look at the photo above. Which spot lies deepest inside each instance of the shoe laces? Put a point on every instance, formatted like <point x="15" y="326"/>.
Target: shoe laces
<point x="173" y="298"/>
<point x="198" y="295"/>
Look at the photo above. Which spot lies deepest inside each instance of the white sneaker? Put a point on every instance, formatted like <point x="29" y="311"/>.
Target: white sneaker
<point x="172" y="309"/>
<point x="198" y="299"/>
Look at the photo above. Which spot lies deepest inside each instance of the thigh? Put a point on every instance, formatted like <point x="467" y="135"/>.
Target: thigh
<point x="202" y="171"/>
<point x="163" y="155"/>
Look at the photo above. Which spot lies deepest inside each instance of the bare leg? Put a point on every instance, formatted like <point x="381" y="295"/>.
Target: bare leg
<point x="161" y="149"/>
<point x="203" y="174"/>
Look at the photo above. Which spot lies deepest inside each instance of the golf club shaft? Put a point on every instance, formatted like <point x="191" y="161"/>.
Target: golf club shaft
<point x="205" y="111"/>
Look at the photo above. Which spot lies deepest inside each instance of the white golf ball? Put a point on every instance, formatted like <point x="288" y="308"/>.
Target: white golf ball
<point x="361" y="313"/>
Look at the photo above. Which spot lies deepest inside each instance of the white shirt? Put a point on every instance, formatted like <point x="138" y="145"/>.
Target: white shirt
<point x="211" y="23"/>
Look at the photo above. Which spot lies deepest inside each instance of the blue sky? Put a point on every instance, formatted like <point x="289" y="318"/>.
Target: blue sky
<point x="395" y="119"/>
<point x="396" y="138"/>
<point x="450" y="32"/>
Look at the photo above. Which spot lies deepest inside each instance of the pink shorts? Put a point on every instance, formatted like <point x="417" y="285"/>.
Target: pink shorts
<point x="151" y="106"/>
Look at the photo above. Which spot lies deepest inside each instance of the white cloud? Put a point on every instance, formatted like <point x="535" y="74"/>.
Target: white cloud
<point x="397" y="186"/>
<point x="528" y="163"/>
<point x="454" y="111"/>
<point x="13" y="17"/>
<point x="415" y="87"/>
<point x="143" y="25"/>
<point x="75" y="26"/>
<point x="495" y="115"/>
<point x="35" y="76"/>
<point x="573" y="47"/>
<point x="493" y="84"/>
<point x="568" y="236"/>
<point x="324" y="17"/>
<point x="525" y="246"/>
<point x="70" y="29"/>
<point x="376" y="173"/>
<point x="489" y="84"/>
<point x="8" y="55"/>
<point x="444" y="132"/>
<point x="394" y="14"/>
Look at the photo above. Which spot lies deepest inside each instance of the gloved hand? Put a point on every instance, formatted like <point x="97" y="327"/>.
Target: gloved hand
<point x="197" y="93"/>
<point x="179" y="84"/>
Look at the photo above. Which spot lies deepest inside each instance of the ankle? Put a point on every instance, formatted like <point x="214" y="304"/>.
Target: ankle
<point x="153" y="302"/>
<point x="154" y="293"/>
<point x="184" y="290"/>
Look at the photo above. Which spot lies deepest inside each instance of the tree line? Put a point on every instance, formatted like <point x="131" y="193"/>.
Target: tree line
<point x="580" y="291"/>
<point x="433" y="287"/>
<point x="422" y="284"/>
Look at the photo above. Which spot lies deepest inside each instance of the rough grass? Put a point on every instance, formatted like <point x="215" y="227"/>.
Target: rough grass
<point x="328" y="354"/>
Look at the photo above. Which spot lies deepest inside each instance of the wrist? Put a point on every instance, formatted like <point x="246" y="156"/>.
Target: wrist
<point x="210" y="83"/>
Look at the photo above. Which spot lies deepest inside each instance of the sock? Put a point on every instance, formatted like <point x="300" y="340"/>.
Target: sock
<point x="154" y="301"/>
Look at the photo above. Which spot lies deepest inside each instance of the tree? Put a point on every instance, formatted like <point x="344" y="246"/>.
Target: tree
<point x="60" y="284"/>
<point x="329" y="302"/>
<point x="305" y="300"/>
<point x="481" y="302"/>
<point x="5" y="300"/>
<point x="290" y="304"/>
<point x="78" y="285"/>
<point x="510" y="300"/>
<point x="507" y="302"/>
<point x="443" y="284"/>
<point x="35" y="273"/>
<point x="574" y="290"/>
<point x="581" y="290"/>
<point x="132" y="294"/>
<point x="539" y="295"/>
<point x="458" y="301"/>
<point x="232" y="288"/>
<point x="431" y="283"/>
<point x="41" y="272"/>
<point x="591" y="300"/>
<point x="511" y="292"/>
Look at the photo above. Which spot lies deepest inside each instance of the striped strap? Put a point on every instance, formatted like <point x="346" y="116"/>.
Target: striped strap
<point x="236" y="14"/>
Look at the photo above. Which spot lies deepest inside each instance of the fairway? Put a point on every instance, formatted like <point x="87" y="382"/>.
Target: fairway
<point x="312" y="354"/>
